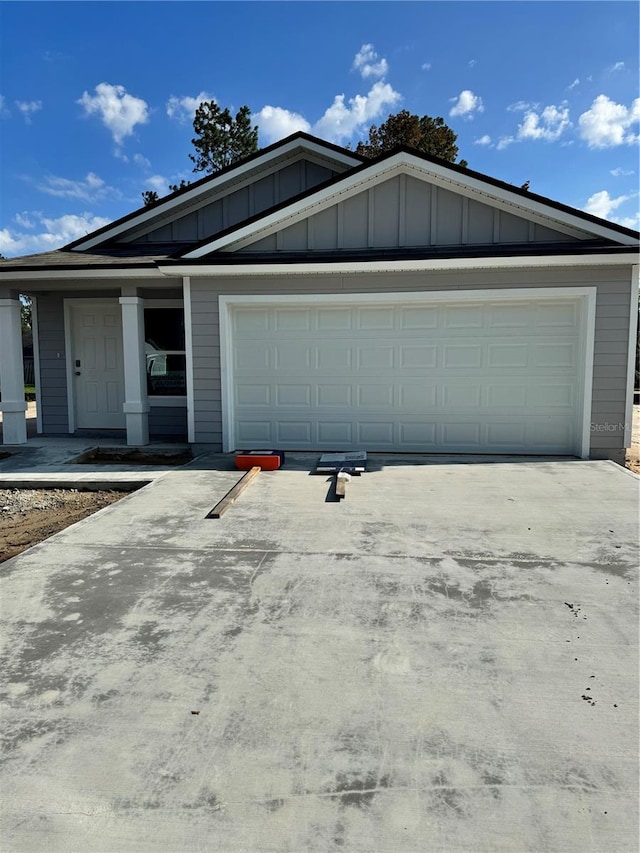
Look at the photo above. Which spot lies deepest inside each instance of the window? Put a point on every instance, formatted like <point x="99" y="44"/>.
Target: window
<point x="165" y="352"/>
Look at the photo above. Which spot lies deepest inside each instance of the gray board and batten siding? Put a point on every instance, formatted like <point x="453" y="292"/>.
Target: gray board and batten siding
<point x="403" y="212"/>
<point x="235" y="204"/>
<point x="613" y="302"/>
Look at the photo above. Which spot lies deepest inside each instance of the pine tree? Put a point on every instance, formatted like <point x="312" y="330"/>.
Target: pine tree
<point x="426" y="134"/>
<point x="221" y="139"/>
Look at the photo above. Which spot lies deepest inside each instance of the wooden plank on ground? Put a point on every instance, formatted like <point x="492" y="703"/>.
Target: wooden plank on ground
<point x="233" y="494"/>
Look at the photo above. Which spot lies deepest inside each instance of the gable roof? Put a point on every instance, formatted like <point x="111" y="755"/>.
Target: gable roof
<point x="185" y="197"/>
<point x="573" y="222"/>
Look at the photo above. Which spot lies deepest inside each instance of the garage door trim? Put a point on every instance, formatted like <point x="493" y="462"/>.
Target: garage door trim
<point x="228" y="302"/>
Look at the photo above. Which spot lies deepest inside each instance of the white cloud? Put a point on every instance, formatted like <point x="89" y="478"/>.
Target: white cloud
<point x="466" y="104"/>
<point x="142" y="161"/>
<point x="92" y="188"/>
<point x="158" y="183"/>
<point x="575" y="83"/>
<point x="607" y="124"/>
<point x="621" y="173"/>
<point x="4" y="112"/>
<point x="629" y="221"/>
<point x="426" y="66"/>
<point x="617" y="66"/>
<point x="23" y="220"/>
<point x="367" y="63"/>
<point x="28" y="108"/>
<point x="472" y="63"/>
<point x="548" y="125"/>
<point x="119" y="111"/>
<point x="484" y="140"/>
<point x="505" y="142"/>
<point x="340" y="121"/>
<point x="520" y="106"/>
<point x="183" y="109"/>
<point x="57" y="232"/>
<point x="601" y="204"/>
<point x="276" y="123"/>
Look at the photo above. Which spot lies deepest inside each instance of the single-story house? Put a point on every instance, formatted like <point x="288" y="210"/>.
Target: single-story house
<point x="307" y="298"/>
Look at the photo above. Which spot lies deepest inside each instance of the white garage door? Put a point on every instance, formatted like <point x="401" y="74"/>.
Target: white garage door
<point x="498" y="376"/>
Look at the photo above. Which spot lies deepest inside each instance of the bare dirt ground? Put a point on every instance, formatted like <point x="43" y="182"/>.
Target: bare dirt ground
<point x="28" y="516"/>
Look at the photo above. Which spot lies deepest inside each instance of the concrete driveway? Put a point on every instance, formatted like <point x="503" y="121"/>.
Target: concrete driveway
<point x="446" y="661"/>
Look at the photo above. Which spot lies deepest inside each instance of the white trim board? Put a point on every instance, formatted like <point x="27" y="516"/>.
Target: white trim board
<point x="35" y="336"/>
<point x="586" y="294"/>
<point x="188" y="346"/>
<point x="631" y="364"/>
<point x="370" y="267"/>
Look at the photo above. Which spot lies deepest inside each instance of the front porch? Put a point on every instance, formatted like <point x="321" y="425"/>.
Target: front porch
<point x="108" y="364"/>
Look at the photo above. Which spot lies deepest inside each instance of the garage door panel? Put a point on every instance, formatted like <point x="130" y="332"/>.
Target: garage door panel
<point x="419" y="317"/>
<point x="293" y="395"/>
<point x="337" y="357"/>
<point x="506" y="396"/>
<point x="419" y="397"/>
<point x="422" y="356"/>
<point x="559" y="315"/>
<point x="254" y="395"/>
<point x="509" y="316"/>
<point x="378" y="433"/>
<point x="498" y="377"/>
<point x="375" y="319"/>
<point x="292" y="320"/>
<point x="294" y="432"/>
<point x="375" y="357"/>
<point x="461" y="396"/>
<point x="334" y="319"/>
<point x="334" y="395"/>
<point x="252" y="432"/>
<point x="556" y="354"/>
<point x="556" y="395"/>
<point x="462" y="356"/>
<point x="464" y="317"/>
<point x="379" y="396"/>
<point x="253" y="357"/>
<point x="338" y="433"/>
<point x="508" y="356"/>
<point x="294" y="355"/>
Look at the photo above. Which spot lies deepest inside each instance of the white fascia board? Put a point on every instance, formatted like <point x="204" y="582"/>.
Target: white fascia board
<point x="70" y="275"/>
<point x="428" y="265"/>
<point x="409" y="164"/>
<point x="214" y="183"/>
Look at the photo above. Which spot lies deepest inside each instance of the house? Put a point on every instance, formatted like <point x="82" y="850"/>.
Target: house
<point x="307" y="298"/>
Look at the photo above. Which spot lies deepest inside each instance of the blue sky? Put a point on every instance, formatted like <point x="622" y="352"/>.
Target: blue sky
<point x="98" y="98"/>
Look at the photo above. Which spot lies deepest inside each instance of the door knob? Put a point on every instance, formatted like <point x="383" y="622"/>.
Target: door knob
<point x="77" y="373"/>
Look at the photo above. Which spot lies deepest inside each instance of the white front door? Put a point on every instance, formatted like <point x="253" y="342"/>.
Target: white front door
<point x="97" y="365"/>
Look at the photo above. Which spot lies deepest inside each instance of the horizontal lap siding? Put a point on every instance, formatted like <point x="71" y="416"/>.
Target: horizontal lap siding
<point x="612" y="326"/>
<point x="53" y="371"/>
<point x="168" y="422"/>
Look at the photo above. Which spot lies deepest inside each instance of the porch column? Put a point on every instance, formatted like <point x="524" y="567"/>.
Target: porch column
<point x="13" y="405"/>
<point x="136" y="404"/>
